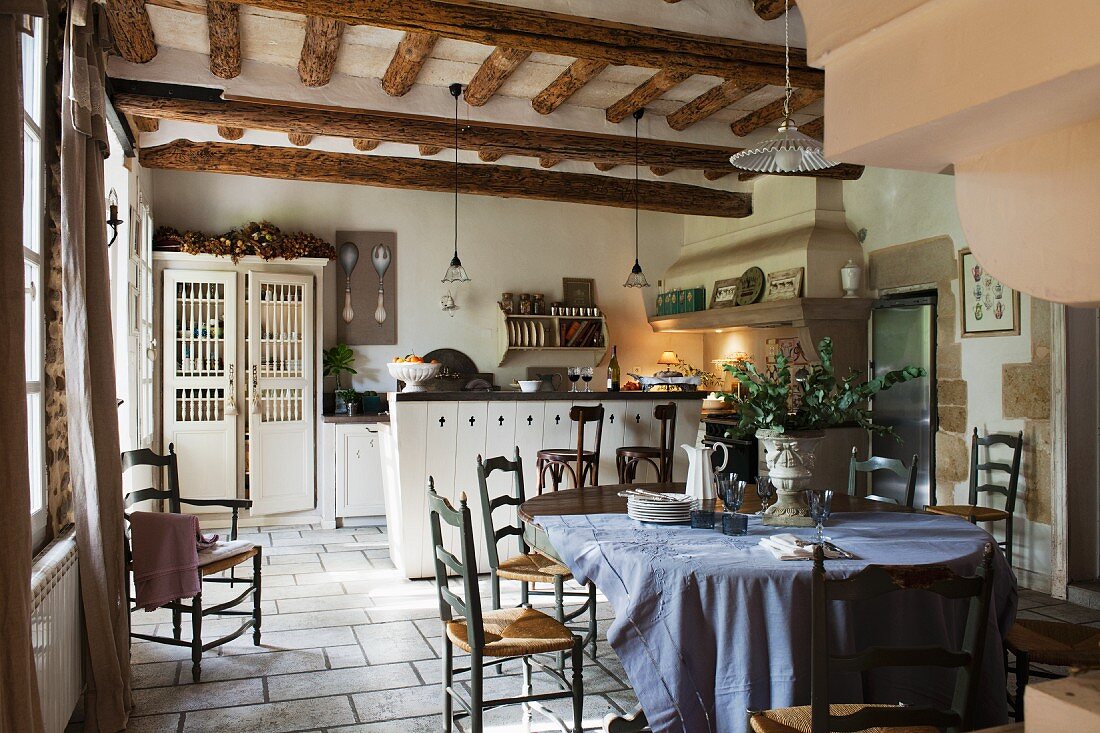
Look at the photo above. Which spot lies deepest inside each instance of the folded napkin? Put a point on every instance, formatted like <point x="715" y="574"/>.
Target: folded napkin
<point x="223" y="549"/>
<point x="789" y="547"/>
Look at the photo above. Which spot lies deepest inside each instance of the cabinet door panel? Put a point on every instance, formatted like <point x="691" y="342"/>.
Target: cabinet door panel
<point x="358" y="472"/>
<point x="471" y="429"/>
<point x="530" y="417"/>
<point x="500" y="440"/>
<point x="441" y="441"/>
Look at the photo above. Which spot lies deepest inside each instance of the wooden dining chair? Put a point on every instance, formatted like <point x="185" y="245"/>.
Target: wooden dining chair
<point x="1050" y="643"/>
<point x="208" y="568"/>
<point x="583" y="465"/>
<point x="492" y="637"/>
<point x="878" y="463"/>
<point x="527" y="567"/>
<point x="965" y="656"/>
<point x="972" y="511"/>
<point x="659" y="456"/>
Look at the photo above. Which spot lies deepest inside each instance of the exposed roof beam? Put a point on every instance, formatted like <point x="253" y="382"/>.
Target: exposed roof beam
<point x="430" y="150"/>
<point x="300" y="139"/>
<point x="319" y="50"/>
<point x="416" y="130"/>
<point x="841" y="171"/>
<point x="146" y="124"/>
<point x="548" y="161"/>
<point x="605" y="167"/>
<point x="660" y="171"/>
<point x="224" y="28"/>
<point x="431" y="175"/>
<point x="230" y="133"/>
<point x="714" y="100"/>
<point x="713" y="174"/>
<point x="408" y="60"/>
<point x="489" y="156"/>
<point x="494" y="24"/>
<point x="770" y="9"/>
<point x="568" y="83"/>
<point x="492" y="74"/>
<point x="814" y="128"/>
<point x="132" y="31"/>
<point x="644" y="93"/>
<point x="365" y="144"/>
<point x="771" y="112"/>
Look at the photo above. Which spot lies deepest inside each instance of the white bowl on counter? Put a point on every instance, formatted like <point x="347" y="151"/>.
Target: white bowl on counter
<point x="530" y="385"/>
<point x="413" y="374"/>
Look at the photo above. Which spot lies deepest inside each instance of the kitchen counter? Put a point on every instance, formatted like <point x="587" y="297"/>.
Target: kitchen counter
<point x="517" y="396"/>
<point x="355" y="419"/>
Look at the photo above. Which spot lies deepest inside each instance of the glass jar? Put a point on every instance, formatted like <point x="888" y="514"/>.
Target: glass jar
<point x="507" y="304"/>
<point x="538" y="305"/>
<point x="525" y="304"/>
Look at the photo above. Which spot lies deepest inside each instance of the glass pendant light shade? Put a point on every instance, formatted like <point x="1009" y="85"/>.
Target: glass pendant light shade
<point x="636" y="278"/>
<point x="456" y="273"/>
<point x="788" y="152"/>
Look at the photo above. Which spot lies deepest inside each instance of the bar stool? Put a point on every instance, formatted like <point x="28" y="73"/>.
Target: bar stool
<point x="583" y="465"/>
<point x="660" y="457"/>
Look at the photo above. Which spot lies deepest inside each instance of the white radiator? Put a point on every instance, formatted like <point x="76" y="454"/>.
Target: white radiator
<point x="56" y="629"/>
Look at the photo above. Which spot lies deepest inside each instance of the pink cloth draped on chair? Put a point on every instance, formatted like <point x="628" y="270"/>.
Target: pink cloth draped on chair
<point x="165" y="556"/>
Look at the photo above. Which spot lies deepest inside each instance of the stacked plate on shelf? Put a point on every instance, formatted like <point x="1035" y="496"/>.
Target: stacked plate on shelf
<point x="673" y="509"/>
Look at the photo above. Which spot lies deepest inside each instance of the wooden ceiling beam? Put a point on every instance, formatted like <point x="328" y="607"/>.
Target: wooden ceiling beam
<point x="568" y="83"/>
<point x="770" y="9"/>
<point x="660" y="171"/>
<point x="131" y="29"/>
<point x="223" y="22"/>
<point x="713" y="174"/>
<point x="772" y="112"/>
<point x="146" y="124"/>
<point x="229" y="132"/>
<point x="413" y="50"/>
<point x="430" y="175"/>
<point x="319" y="50"/>
<point x="605" y="167"/>
<point x="549" y="161"/>
<point x="417" y="130"/>
<point x="714" y="100"/>
<point x="644" y="93"/>
<point x="429" y="150"/>
<point x="814" y="128"/>
<point x="840" y="172"/>
<point x="300" y="139"/>
<point x="489" y="156"/>
<point x="494" y="24"/>
<point x="365" y="144"/>
<point x="493" y="72"/>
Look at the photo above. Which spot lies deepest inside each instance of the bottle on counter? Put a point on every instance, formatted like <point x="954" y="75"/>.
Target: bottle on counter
<point x="613" y="372"/>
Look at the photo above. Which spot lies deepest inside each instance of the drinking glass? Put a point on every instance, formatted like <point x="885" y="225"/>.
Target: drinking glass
<point x="765" y="491"/>
<point x="821" y="507"/>
<point x="730" y="490"/>
<point x="574" y="373"/>
<point x="586" y="375"/>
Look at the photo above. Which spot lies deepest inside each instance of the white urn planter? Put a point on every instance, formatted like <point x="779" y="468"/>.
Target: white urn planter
<point x="790" y="461"/>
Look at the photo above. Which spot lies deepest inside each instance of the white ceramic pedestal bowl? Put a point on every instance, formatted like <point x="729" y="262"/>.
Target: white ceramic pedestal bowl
<point x="413" y="375"/>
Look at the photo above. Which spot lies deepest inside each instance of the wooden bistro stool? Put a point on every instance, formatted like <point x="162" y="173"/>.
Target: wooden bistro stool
<point x="583" y="465"/>
<point x="660" y="457"/>
<point x="1052" y="643"/>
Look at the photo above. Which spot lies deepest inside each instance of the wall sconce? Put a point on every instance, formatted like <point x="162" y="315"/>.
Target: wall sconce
<point x="112" y="216"/>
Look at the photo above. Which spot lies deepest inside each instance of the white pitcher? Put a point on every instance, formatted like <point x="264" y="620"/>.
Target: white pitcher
<point x="700" y="478"/>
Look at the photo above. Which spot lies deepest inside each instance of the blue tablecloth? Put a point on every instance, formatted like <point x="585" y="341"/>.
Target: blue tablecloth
<point x="709" y="626"/>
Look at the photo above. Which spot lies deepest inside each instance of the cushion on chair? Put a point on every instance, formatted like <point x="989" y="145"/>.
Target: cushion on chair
<point x="241" y="551"/>
<point x="513" y="631"/>
<point x="970" y="513"/>
<point x="533" y="568"/>
<point x="797" y="720"/>
<point x="1055" y="642"/>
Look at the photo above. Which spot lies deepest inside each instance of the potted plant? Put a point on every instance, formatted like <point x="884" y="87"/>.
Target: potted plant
<point x="350" y="398"/>
<point x="336" y="361"/>
<point x="372" y="403"/>
<point x="791" y="436"/>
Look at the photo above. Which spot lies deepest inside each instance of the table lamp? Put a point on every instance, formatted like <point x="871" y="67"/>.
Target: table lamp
<point x="668" y="359"/>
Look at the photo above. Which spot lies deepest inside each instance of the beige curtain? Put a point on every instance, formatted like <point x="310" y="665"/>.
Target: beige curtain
<point x="95" y="469"/>
<point x="19" y="706"/>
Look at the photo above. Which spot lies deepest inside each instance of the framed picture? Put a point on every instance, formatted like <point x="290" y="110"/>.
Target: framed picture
<point x="784" y="284"/>
<point x="725" y="293"/>
<point x="577" y="292"/>
<point x="989" y="308"/>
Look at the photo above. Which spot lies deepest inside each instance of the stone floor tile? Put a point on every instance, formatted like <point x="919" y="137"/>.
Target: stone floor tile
<point x="291" y="558"/>
<point x="340" y="681"/>
<point x="274" y="581"/>
<point x="399" y="641"/>
<point x="346" y="561"/>
<point x="426" y="724"/>
<point x="293" y="568"/>
<point x="324" y="602"/>
<point x="156" y="674"/>
<point x="278" y="717"/>
<point x="408" y="702"/>
<point x="241" y="666"/>
<point x="154" y="724"/>
<point x="315" y="619"/>
<point x="182" y="698"/>
<point x="325" y="590"/>
<point x="282" y="640"/>
<point x="1069" y="613"/>
<point x="345" y="656"/>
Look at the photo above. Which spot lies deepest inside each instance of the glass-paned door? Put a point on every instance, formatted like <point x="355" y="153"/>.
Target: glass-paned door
<point x="280" y="435"/>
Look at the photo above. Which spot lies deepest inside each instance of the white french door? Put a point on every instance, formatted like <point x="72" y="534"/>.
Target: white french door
<point x="200" y="316"/>
<point x="280" y="440"/>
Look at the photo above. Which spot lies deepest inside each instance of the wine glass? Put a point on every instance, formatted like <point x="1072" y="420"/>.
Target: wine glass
<point x="586" y="375"/>
<point x="765" y="491"/>
<point x="821" y="507"/>
<point x="731" y="490"/>
<point x="574" y="373"/>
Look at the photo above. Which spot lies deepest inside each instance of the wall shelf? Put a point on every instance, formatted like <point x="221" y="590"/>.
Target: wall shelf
<point x="550" y="328"/>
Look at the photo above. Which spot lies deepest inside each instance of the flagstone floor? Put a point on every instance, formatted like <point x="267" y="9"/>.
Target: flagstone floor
<point x="350" y="646"/>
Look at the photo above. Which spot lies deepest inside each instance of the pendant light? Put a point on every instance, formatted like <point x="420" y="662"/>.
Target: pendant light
<point x="456" y="273"/>
<point x="636" y="278"/>
<point x="790" y="151"/>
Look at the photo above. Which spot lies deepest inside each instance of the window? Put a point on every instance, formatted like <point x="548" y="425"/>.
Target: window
<point x="142" y="343"/>
<point x="34" y="63"/>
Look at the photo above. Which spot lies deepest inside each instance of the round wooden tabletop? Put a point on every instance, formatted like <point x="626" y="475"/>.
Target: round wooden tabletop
<point x="606" y="500"/>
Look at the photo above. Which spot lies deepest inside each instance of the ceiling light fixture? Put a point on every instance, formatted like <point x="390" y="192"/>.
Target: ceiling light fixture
<point x="790" y="151"/>
<point x="456" y="273"/>
<point x="636" y="278"/>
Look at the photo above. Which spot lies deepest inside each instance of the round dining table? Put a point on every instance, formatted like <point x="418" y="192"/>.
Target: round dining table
<point x="709" y="626"/>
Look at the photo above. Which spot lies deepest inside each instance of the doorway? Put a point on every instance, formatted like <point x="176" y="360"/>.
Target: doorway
<point x="1082" y="454"/>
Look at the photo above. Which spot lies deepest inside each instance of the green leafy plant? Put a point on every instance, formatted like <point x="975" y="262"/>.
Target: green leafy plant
<point x="347" y="395"/>
<point x="707" y="380"/>
<point x="826" y="400"/>
<point x="338" y="360"/>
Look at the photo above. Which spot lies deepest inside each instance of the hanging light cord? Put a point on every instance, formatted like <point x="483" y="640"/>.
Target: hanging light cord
<point x="637" y="230"/>
<point x="456" y="176"/>
<point x="787" y="58"/>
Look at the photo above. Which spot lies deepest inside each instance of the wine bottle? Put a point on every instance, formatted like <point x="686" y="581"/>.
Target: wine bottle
<point x="613" y="372"/>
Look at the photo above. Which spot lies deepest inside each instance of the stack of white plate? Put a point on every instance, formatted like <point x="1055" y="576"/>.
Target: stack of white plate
<point x="675" y="511"/>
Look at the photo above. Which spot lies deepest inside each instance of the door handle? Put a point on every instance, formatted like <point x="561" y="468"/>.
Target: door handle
<point x="255" y="389"/>
<point x="231" y="397"/>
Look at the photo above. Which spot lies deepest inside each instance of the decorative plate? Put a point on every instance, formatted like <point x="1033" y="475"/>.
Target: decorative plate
<point x="752" y="286"/>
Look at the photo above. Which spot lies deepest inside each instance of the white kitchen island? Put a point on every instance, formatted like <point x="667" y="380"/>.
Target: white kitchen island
<point x="441" y="434"/>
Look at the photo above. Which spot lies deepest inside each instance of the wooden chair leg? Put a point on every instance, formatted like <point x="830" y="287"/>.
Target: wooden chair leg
<point x="526" y="690"/>
<point x="1008" y="539"/>
<point x="177" y="623"/>
<point x="1023" y="672"/>
<point x="477" y="693"/>
<point x="578" y="685"/>
<point x="620" y="469"/>
<point x="448" y="666"/>
<point x="257" y="613"/>
<point x="592" y="618"/>
<point x="196" y="637"/>
<point x="559" y="610"/>
<point x="540" y="468"/>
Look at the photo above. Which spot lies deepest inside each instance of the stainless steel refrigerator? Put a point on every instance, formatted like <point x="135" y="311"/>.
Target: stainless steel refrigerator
<point x="903" y="331"/>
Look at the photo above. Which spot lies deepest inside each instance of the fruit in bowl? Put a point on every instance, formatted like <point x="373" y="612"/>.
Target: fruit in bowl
<point x="413" y="371"/>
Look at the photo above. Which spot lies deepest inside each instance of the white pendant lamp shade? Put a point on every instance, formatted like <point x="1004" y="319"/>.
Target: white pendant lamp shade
<point x="788" y="152"/>
<point x="636" y="278"/>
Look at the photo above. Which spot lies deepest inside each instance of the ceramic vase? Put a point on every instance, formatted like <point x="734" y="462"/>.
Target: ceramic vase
<point x="790" y="461"/>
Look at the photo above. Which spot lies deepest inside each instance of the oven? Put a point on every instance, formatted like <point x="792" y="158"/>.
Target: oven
<point x="719" y="427"/>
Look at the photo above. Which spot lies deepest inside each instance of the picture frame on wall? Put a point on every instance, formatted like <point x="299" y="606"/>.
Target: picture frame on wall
<point x="725" y="293"/>
<point x="989" y="307"/>
<point x="578" y="292"/>
<point x="784" y="284"/>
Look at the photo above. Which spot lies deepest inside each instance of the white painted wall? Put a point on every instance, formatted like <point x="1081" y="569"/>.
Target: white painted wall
<point x="505" y="244"/>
